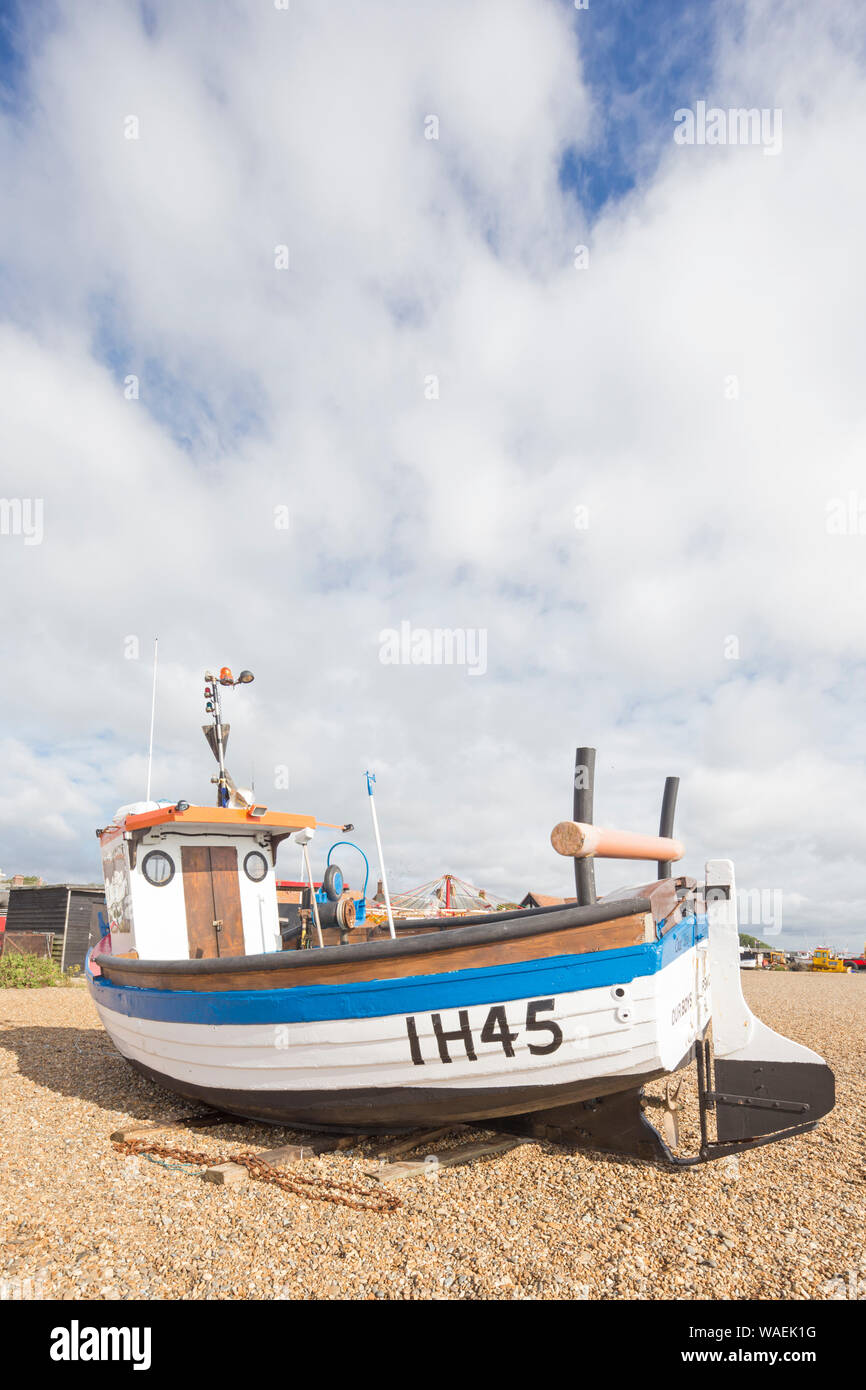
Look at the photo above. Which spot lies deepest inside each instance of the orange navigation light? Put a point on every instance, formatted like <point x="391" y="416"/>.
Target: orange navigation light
<point x="226" y="677"/>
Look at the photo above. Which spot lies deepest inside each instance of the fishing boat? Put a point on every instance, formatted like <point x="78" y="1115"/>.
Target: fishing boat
<point x="548" y="1021"/>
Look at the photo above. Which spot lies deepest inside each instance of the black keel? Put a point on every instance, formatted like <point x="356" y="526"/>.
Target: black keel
<point x="752" y="1103"/>
<point x="611" y="1124"/>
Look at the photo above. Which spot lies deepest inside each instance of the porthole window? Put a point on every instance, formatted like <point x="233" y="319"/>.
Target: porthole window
<point x="157" y="868"/>
<point x="255" y="866"/>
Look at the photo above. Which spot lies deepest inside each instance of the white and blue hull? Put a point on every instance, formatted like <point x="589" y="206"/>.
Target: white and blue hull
<point x="462" y="1045"/>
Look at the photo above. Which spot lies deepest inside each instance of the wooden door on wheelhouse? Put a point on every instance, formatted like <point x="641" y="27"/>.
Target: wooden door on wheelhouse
<point x="214" y="923"/>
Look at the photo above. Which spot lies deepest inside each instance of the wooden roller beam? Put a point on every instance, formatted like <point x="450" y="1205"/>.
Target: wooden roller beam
<point x="578" y="841"/>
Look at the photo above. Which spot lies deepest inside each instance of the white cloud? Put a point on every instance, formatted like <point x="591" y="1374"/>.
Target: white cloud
<point x="605" y="388"/>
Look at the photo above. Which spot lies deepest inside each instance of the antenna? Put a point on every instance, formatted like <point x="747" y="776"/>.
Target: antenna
<point x="152" y="718"/>
<point x="371" y="777"/>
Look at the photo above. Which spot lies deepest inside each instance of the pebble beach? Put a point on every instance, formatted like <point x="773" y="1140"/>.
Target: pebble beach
<point x="79" y="1220"/>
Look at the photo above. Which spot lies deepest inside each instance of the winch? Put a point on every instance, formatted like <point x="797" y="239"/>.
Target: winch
<point x="335" y="904"/>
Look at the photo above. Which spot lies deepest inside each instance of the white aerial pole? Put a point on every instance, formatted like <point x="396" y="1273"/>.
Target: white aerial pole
<point x="152" y="718"/>
<point x="313" y="900"/>
<point x="303" y="838"/>
<point x="370" y="780"/>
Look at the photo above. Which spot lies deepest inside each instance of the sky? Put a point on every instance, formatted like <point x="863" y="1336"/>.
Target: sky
<point x="329" y="322"/>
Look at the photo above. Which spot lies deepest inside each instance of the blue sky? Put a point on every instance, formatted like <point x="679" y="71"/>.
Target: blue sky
<point x="14" y="48"/>
<point x="641" y="62"/>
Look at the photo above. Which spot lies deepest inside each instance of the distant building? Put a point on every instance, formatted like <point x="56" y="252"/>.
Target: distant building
<point x="543" y="900"/>
<point x="57" y="920"/>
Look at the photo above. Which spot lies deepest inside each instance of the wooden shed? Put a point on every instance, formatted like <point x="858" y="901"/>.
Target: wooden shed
<point x="55" y="920"/>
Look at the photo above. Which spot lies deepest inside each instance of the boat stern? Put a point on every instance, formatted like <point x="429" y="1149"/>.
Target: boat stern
<point x="765" y="1086"/>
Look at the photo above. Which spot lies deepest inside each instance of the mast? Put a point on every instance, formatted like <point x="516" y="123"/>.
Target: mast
<point x="222" y="785"/>
<point x="217" y="733"/>
<point x="152" y="719"/>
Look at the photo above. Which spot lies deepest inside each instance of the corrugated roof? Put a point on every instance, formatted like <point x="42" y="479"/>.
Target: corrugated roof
<point x="545" y="900"/>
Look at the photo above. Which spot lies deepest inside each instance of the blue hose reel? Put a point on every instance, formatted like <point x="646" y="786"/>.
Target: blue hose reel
<point x="332" y="882"/>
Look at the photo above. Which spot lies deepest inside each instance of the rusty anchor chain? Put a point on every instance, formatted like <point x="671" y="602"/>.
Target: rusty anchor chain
<point x="346" y="1194"/>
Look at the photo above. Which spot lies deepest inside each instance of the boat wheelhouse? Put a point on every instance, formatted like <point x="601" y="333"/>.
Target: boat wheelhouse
<point x="193" y="882"/>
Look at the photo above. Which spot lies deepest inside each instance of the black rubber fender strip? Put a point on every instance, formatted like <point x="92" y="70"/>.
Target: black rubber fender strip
<point x="530" y="922"/>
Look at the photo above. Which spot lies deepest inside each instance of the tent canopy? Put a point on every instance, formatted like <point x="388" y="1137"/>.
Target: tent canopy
<point x="441" y="897"/>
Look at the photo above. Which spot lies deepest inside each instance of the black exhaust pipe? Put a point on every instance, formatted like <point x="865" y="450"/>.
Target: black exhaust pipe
<point x="584" y="779"/>
<point x="666" y="821"/>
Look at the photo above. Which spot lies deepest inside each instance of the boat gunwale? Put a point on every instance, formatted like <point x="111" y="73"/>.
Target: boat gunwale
<point x="531" y="922"/>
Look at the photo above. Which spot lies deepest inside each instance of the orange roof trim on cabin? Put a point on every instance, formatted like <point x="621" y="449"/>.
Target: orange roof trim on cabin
<point x="218" y="815"/>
